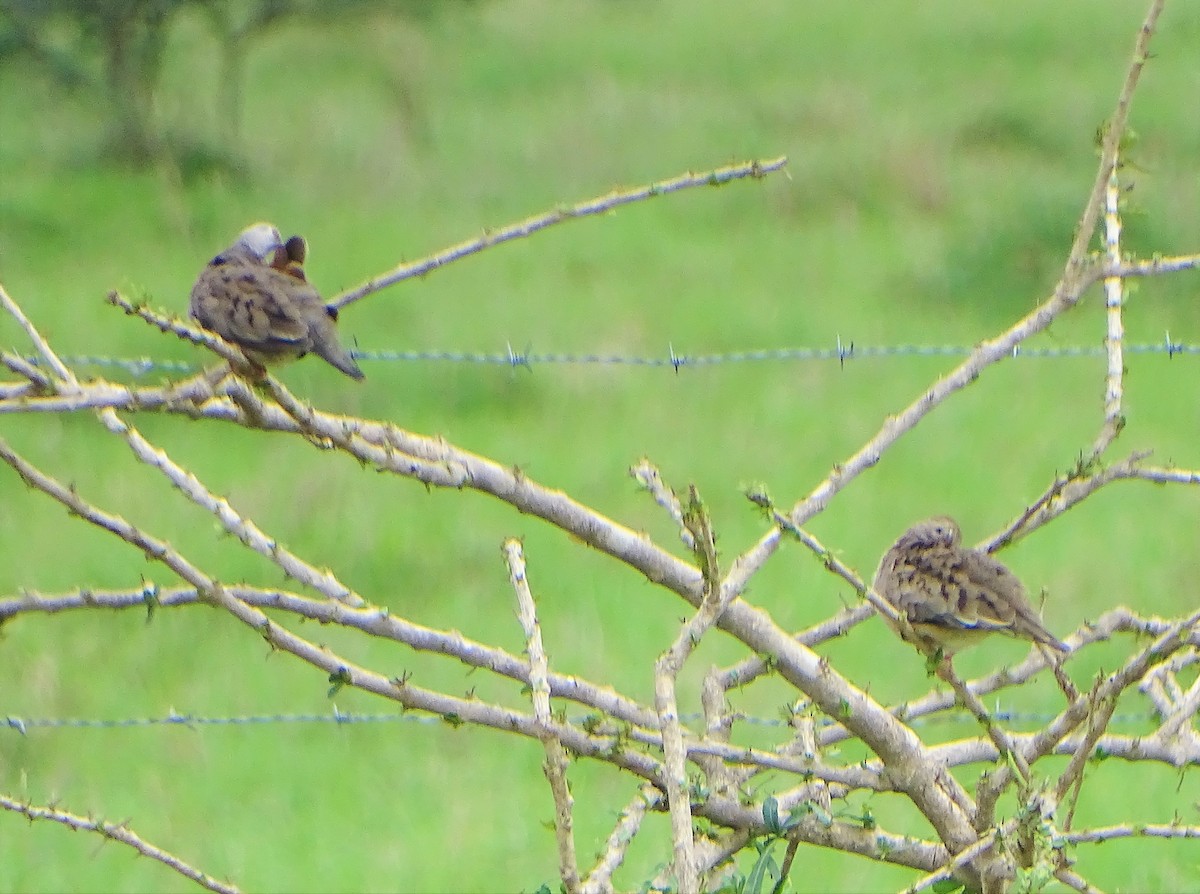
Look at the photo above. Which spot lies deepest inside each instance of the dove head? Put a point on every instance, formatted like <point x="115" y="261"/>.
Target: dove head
<point x="296" y="249"/>
<point x="939" y="531"/>
<point x="260" y="240"/>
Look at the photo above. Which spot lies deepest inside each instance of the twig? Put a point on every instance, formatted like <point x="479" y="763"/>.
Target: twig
<point x="1072" y="777"/>
<point x="1140" y="830"/>
<point x="1129" y="748"/>
<point x="38" y="380"/>
<point x="43" y="347"/>
<point x="785" y="868"/>
<point x="539" y="222"/>
<point x="748" y="670"/>
<point x="666" y="670"/>
<point x="1160" y="476"/>
<point x="1182" y="706"/>
<point x="998" y="736"/>
<point x="599" y="880"/>
<point x="555" y="766"/>
<point x="121" y="833"/>
<point x="647" y="475"/>
<point x="371" y="621"/>
<point x="1075" y="881"/>
<point x="184" y="397"/>
<point x="1113" y="301"/>
<point x="831" y="562"/>
<point x="1063" y="493"/>
<point x="231" y="520"/>
<point x="194" y="334"/>
<point x="961" y="859"/>
<point x="1156" y="266"/>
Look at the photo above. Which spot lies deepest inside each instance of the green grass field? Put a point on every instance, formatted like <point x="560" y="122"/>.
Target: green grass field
<point x="939" y="154"/>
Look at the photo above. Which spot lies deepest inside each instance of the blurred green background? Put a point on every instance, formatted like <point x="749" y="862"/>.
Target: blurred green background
<point x="939" y="153"/>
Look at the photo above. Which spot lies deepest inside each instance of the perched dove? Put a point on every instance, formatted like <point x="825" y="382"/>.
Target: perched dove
<point x="271" y="314"/>
<point x="953" y="596"/>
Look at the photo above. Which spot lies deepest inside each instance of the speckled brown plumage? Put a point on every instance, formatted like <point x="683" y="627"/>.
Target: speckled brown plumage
<point x="953" y="596"/>
<point x="272" y="315"/>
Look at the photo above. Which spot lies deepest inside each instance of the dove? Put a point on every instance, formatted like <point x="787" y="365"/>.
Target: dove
<point x="271" y="314"/>
<point x="954" y="596"/>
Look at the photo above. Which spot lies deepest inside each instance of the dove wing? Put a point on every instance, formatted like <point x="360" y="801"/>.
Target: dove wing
<point x="1005" y="599"/>
<point x="255" y="306"/>
<point x="951" y="590"/>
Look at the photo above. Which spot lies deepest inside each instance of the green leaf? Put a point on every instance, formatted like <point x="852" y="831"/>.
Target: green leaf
<point x="763" y="868"/>
<point x="797" y="815"/>
<point x="338" y="678"/>
<point x="770" y="811"/>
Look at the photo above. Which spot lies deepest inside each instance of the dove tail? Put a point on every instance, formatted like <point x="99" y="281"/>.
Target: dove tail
<point x="343" y="361"/>
<point x="1046" y="638"/>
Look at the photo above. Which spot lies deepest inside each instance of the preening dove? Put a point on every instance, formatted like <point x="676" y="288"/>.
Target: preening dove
<point x="954" y="596"/>
<point x="265" y="305"/>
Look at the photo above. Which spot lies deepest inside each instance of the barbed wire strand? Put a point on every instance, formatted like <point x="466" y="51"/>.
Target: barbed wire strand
<point x="337" y="717"/>
<point x="527" y="359"/>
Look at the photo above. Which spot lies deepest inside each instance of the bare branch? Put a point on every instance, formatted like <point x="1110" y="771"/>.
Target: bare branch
<point x="43" y="347"/>
<point x="38" y="380"/>
<point x="1114" y="294"/>
<point x="1147" y="830"/>
<point x="599" y="880"/>
<point x="696" y="520"/>
<point x="556" y="762"/>
<point x="371" y="621"/>
<point x="121" y="833"/>
<point x="647" y="475"/>
<point x="236" y="524"/>
<point x="528" y="227"/>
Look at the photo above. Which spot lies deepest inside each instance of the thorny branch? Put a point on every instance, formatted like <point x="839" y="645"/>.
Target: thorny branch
<point x="521" y="229"/>
<point x="119" y="832"/>
<point x="539" y="684"/>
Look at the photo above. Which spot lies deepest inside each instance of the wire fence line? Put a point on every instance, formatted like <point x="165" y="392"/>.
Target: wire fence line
<point x="336" y="717"/>
<point x="842" y="352"/>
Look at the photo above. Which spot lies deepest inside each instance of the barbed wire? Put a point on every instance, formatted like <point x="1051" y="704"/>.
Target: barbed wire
<point x="527" y="358"/>
<point x="337" y="717"/>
